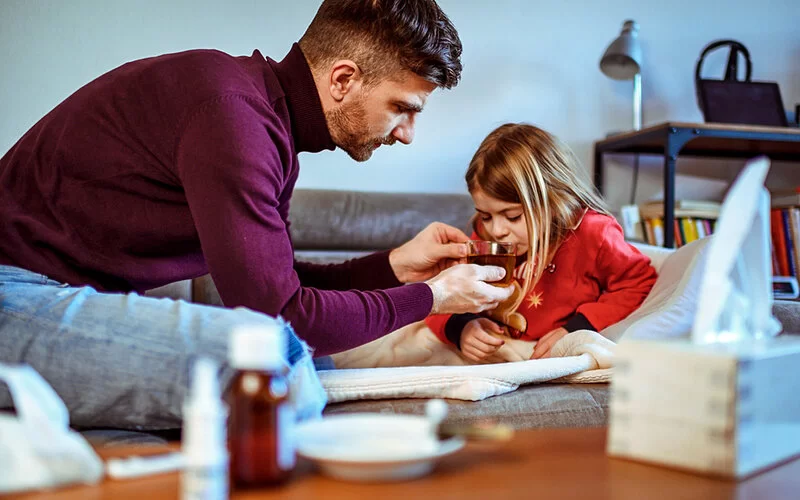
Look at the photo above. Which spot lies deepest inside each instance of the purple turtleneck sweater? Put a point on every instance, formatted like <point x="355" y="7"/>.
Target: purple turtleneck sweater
<point x="171" y="167"/>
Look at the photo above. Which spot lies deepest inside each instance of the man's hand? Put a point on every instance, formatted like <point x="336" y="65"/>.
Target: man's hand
<point x="434" y="249"/>
<point x="546" y="343"/>
<point x="463" y="288"/>
<point x="476" y="343"/>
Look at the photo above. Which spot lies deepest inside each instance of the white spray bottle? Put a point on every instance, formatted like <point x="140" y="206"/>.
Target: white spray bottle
<point x="204" y="446"/>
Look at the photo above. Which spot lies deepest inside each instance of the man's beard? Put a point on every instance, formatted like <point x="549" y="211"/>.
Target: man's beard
<point x="348" y="125"/>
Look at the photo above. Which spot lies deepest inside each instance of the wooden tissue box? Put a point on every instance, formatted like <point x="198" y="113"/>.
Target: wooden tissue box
<point x="721" y="409"/>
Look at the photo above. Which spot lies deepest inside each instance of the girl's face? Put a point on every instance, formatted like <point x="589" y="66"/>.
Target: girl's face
<point x="503" y="221"/>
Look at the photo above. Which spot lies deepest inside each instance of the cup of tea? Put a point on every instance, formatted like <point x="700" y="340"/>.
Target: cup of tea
<point x="493" y="253"/>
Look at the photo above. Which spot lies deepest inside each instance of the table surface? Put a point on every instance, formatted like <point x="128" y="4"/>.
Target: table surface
<point x="546" y="463"/>
<point x="710" y="139"/>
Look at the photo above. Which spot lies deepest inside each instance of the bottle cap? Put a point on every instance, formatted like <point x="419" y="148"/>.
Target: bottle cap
<point x="258" y="347"/>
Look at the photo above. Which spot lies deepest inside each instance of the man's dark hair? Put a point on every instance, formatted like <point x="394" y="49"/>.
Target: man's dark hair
<point x="383" y="36"/>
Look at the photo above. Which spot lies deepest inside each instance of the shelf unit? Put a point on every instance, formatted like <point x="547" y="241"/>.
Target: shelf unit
<point x="673" y="139"/>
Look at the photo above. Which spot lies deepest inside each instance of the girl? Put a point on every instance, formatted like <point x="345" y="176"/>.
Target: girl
<point x="574" y="267"/>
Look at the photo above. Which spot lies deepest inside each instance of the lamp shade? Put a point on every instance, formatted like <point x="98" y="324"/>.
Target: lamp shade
<point x="623" y="58"/>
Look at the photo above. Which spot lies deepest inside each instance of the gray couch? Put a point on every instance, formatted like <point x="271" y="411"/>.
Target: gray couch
<point x="331" y="226"/>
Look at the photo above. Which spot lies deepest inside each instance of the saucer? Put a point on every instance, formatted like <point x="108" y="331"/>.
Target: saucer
<point x="373" y="446"/>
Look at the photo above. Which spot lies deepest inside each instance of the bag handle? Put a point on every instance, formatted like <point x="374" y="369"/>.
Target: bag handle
<point x="733" y="60"/>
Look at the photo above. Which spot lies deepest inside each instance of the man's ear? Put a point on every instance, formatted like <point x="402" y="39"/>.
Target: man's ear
<point x="345" y="78"/>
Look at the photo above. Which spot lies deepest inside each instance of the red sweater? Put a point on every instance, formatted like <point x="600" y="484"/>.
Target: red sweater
<point x="595" y="273"/>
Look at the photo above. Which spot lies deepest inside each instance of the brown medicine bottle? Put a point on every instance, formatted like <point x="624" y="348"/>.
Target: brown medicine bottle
<point x="261" y="417"/>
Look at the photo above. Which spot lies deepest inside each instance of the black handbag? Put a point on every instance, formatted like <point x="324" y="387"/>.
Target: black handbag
<point x="731" y="100"/>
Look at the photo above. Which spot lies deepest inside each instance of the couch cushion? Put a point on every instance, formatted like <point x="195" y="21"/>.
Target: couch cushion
<point x="330" y="256"/>
<point x="787" y="312"/>
<point x="533" y="406"/>
<point x="180" y="290"/>
<point x="204" y="291"/>
<point x="541" y="405"/>
<point x="356" y="220"/>
<point x="101" y="438"/>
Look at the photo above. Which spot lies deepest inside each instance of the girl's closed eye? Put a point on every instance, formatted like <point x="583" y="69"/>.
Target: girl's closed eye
<point x="510" y="218"/>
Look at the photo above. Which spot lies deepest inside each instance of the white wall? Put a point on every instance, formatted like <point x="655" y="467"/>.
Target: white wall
<point x="533" y="61"/>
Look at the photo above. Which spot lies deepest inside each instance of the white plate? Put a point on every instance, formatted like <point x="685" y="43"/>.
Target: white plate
<point x="372" y="446"/>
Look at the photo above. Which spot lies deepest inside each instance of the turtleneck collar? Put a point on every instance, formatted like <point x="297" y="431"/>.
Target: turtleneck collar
<point x="309" y="127"/>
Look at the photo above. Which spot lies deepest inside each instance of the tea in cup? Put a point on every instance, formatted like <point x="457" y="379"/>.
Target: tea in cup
<point x="494" y="253"/>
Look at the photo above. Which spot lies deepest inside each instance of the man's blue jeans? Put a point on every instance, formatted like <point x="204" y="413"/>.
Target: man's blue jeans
<point x="123" y="360"/>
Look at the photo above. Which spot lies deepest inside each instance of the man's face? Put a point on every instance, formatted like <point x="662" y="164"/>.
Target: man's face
<point x="381" y="114"/>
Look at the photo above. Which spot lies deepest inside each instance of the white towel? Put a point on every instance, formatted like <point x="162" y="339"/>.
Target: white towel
<point x="579" y="357"/>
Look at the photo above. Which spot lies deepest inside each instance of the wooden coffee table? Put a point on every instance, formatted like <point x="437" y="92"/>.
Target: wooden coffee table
<point x="540" y="464"/>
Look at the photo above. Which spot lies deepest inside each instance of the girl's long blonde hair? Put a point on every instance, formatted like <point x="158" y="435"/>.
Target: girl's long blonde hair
<point x="521" y="163"/>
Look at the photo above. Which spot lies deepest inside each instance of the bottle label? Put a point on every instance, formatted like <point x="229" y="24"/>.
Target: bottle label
<point x="286" y="444"/>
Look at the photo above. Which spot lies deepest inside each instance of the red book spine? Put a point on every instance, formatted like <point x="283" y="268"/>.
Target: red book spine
<point x="779" y="242"/>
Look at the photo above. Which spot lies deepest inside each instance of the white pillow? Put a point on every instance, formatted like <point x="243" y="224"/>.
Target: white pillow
<point x="670" y="307"/>
<point x="658" y="255"/>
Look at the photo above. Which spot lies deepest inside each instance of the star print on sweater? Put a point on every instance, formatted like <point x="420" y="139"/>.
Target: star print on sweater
<point x="535" y="299"/>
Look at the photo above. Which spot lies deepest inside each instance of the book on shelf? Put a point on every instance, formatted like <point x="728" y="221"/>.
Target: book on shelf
<point x="696" y="219"/>
<point x="693" y="220"/>
<point x="785" y="233"/>
<point x="687" y="204"/>
<point x="685" y="230"/>
<point x="696" y="209"/>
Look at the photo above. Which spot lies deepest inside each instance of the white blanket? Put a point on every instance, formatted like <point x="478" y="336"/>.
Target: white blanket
<point x="423" y="366"/>
<point x="417" y="357"/>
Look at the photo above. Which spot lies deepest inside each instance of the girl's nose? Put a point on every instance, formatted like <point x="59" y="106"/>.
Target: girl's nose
<point x="500" y="231"/>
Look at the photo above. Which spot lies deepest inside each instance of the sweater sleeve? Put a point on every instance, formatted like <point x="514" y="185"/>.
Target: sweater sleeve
<point x="625" y="277"/>
<point x="231" y="159"/>
<point x="437" y="323"/>
<point x="370" y="272"/>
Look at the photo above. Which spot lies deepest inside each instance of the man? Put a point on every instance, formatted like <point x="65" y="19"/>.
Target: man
<point x="170" y="167"/>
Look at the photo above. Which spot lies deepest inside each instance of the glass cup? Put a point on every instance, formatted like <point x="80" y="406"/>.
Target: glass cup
<point x="494" y="253"/>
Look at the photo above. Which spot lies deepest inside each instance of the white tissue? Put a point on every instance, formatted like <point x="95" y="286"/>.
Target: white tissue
<point x="735" y="301"/>
<point x="37" y="448"/>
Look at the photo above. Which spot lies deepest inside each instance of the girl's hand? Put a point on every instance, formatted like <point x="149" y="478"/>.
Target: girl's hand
<point x="476" y="343"/>
<point x="543" y="346"/>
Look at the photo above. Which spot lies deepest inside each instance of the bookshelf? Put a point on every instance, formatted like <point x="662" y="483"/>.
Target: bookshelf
<point x="692" y="220"/>
<point x="785" y="232"/>
<point x="672" y="139"/>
